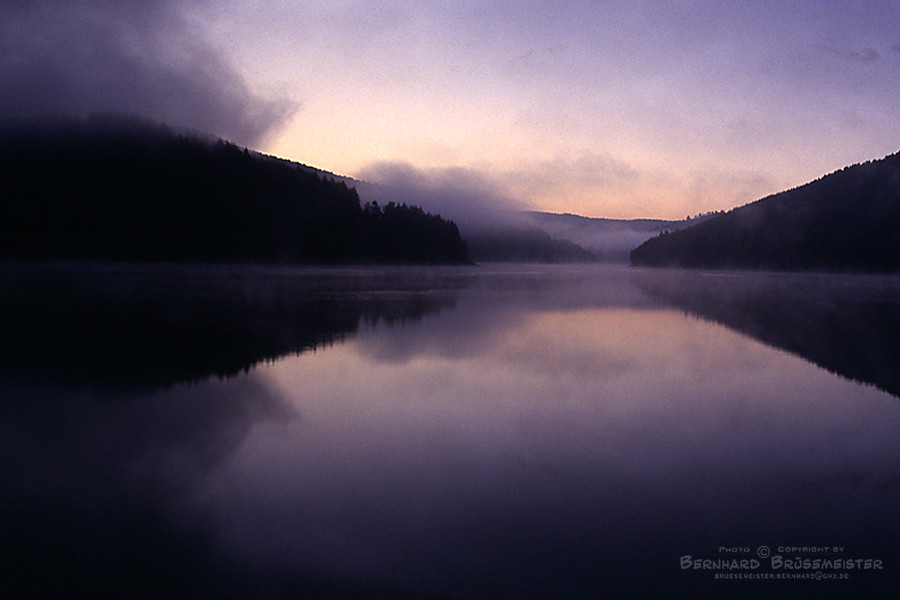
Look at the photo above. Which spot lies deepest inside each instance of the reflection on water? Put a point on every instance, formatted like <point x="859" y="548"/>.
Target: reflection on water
<point x="848" y="324"/>
<point x="513" y="433"/>
<point x="110" y="326"/>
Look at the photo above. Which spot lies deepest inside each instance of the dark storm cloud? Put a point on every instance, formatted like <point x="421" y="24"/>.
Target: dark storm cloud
<point x="148" y="58"/>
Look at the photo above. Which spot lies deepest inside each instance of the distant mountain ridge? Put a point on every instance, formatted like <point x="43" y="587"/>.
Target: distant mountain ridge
<point x="523" y="243"/>
<point x="544" y="237"/>
<point x="607" y="240"/>
<point x="114" y="187"/>
<point x="848" y="220"/>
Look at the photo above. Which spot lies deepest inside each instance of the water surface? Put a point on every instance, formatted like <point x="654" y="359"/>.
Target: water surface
<point x="486" y="432"/>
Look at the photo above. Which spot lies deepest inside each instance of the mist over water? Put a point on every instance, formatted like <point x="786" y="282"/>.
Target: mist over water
<point x="506" y="431"/>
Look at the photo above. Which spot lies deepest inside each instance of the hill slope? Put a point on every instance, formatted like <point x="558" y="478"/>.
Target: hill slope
<point x="121" y="188"/>
<point x="846" y="221"/>
<point x="521" y="243"/>
<point x="608" y="240"/>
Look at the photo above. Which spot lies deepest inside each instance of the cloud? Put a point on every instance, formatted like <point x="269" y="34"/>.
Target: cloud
<point x="545" y="178"/>
<point x="470" y="197"/>
<point x="864" y="55"/>
<point x="588" y="184"/>
<point x="600" y="185"/>
<point x="722" y="190"/>
<point x="595" y="184"/>
<point x="534" y="56"/>
<point x="148" y="58"/>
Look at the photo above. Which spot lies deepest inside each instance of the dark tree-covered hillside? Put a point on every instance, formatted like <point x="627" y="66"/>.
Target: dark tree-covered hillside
<point x="846" y="221"/>
<point x="122" y="188"/>
<point x="524" y="244"/>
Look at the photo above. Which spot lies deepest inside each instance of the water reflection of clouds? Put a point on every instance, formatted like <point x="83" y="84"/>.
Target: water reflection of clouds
<point x="459" y="332"/>
<point x="691" y="430"/>
<point x="495" y="302"/>
<point x="519" y="439"/>
<point x="100" y="489"/>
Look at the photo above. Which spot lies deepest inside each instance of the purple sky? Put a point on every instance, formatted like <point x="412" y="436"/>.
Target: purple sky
<point x="618" y="109"/>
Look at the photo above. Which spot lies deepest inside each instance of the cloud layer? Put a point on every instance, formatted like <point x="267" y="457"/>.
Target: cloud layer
<point x="469" y="197"/>
<point x="149" y="58"/>
<point x="605" y="109"/>
<point x="483" y="198"/>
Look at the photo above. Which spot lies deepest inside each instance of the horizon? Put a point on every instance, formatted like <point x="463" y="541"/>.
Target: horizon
<point x="619" y="111"/>
<point x="567" y="213"/>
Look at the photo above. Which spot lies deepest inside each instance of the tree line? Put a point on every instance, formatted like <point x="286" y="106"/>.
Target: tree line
<point x="845" y="221"/>
<point x="122" y="188"/>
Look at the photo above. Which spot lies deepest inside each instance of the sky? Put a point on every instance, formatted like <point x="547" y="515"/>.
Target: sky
<point x="601" y="108"/>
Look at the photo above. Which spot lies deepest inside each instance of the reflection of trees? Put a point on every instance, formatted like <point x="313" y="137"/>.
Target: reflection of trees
<point x="101" y="467"/>
<point x="850" y="325"/>
<point x="156" y="326"/>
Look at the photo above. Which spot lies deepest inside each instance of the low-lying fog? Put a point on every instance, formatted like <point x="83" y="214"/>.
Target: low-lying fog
<point x="498" y="227"/>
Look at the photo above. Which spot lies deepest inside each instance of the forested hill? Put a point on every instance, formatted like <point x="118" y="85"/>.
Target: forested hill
<point x="122" y="188"/>
<point x="608" y="240"/>
<point x="846" y="221"/>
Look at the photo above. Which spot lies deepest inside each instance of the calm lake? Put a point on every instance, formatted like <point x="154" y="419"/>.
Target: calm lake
<point x="500" y="431"/>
